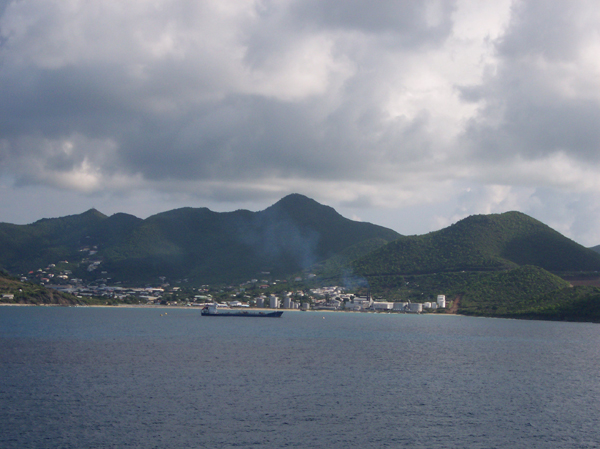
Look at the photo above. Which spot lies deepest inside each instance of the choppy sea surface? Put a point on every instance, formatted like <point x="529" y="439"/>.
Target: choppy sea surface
<point x="158" y="378"/>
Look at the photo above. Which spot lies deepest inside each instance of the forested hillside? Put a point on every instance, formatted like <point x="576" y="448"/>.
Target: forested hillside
<point x="481" y="243"/>
<point x="193" y="244"/>
<point x="494" y="265"/>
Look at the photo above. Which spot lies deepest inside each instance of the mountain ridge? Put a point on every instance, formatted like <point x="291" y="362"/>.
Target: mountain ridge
<point x="505" y="265"/>
<point x="481" y="243"/>
<point x="194" y="243"/>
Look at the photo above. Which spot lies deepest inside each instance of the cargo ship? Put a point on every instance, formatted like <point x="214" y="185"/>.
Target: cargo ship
<point x="220" y="310"/>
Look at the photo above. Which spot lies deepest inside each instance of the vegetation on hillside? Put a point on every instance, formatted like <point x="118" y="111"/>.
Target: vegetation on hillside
<point x="13" y="291"/>
<point x="506" y="292"/>
<point x="569" y="304"/>
<point x="481" y="243"/>
<point x="337" y="265"/>
<point x="194" y="244"/>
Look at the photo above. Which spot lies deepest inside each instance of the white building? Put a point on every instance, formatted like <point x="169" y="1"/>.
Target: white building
<point x="335" y="303"/>
<point x="400" y="306"/>
<point x="381" y="305"/>
<point x="352" y="306"/>
<point x="441" y="301"/>
<point x="273" y="302"/>
<point x="287" y="303"/>
<point x="415" y="307"/>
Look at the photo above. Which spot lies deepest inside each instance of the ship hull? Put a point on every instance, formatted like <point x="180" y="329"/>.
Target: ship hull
<point x="246" y="314"/>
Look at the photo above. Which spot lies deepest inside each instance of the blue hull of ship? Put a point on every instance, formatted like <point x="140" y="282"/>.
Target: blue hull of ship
<point x="247" y="314"/>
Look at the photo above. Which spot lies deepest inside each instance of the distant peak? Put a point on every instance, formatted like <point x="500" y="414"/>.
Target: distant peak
<point x="93" y="212"/>
<point x="294" y="199"/>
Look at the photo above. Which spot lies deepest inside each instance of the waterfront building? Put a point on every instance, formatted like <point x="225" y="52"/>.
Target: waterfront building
<point x="441" y="301"/>
<point x="381" y="305"/>
<point x="415" y="307"/>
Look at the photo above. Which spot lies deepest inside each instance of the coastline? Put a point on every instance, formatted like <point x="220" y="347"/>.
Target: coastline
<point x="161" y="307"/>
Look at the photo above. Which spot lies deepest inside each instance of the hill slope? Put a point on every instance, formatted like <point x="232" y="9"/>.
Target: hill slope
<point x="569" y="304"/>
<point x="509" y="291"/>
<point x="481" y="243"/>
<point x="493" y="265"/>
<point x="45" y="241"/>
<point x="194" y="243"/>
<point x="13" y="291"/>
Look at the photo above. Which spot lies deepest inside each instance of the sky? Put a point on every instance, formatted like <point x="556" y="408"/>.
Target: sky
<point x="407" y="114"/>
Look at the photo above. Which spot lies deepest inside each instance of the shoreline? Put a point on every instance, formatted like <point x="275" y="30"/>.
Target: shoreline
<point x="158" y="306"/>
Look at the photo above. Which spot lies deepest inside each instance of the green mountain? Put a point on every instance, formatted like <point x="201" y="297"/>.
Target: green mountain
<point x="493" y="265"/>
<point x="481" y="243"/>
<point x="189" y="243"/>
<point x="504" y="265"/>
<point x="26" y="247"/>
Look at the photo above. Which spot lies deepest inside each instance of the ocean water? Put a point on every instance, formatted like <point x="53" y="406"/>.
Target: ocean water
<point x="131" y="378"/>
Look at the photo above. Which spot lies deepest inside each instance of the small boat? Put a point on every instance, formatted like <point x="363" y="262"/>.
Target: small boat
<point x="221" y="310"/>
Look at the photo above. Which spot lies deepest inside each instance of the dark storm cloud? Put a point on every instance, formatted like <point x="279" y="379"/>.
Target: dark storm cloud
<point x="411" y="23"/>
<point x="238" y="137"/>
<point x="58" y="102"/>
<point x="395" y="23"/>
<point x="182" y="117"/>
<point x="551" y="30"/>
<point x="242" y="137"/>
<point x="539" y="102"/>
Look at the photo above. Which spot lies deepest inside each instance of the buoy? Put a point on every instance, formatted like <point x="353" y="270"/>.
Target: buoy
<point x="323" y="317"/>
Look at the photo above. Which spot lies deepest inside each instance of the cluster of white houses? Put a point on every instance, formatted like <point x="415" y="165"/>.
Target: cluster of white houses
<point x="352" y="303"/>
<point x="275" y="303"/>
<point x="410" y="307"/>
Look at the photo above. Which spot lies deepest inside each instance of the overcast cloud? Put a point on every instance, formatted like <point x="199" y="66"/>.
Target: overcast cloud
<point x="407" y="114"/>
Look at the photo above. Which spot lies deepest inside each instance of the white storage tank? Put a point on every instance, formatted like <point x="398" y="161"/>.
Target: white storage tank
<point x="287" y="302"/>
<point x="427" y="305"/>
<point x="441" y="301"/>
<point x="415" y="307"/>
<point x="381" y="305"/>
<point x="399" y="306"/>
<point x="273" y="302"/>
